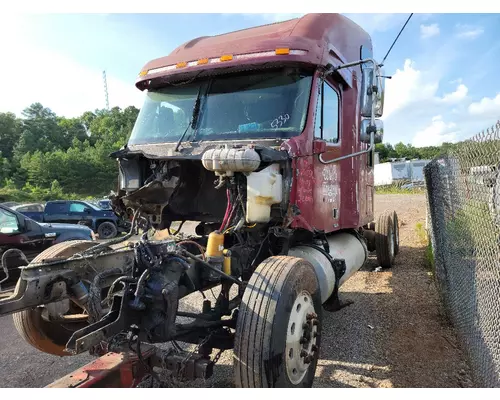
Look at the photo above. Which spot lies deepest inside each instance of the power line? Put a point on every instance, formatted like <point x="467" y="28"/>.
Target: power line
<point x="395" y="40"/>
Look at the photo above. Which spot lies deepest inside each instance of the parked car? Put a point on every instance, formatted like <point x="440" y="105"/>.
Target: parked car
<point x="31" y="237"/>
<point x="32" y="207"/>
<point x="9" y="204"/>
<point x="103" y="222"/>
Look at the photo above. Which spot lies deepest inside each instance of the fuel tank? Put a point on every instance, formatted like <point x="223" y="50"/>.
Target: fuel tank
<point x="342" y="245"/>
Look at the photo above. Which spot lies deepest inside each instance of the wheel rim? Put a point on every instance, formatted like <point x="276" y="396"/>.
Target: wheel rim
<point x="106" y="230"/>
<point x="301" y="338"/>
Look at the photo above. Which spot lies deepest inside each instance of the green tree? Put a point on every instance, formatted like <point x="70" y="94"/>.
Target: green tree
<point x="10" y="132"/>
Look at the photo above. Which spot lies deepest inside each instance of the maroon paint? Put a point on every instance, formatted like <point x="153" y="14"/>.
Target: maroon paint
<point x="317" y="188"/>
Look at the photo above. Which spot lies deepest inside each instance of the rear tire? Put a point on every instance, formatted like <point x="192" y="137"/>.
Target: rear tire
<point x="50" y="337"/>
<point x="384" y="239"/>
<point x="396" y="232"/>
<point x="281" y="307"/>
<point x="107" y="230"/>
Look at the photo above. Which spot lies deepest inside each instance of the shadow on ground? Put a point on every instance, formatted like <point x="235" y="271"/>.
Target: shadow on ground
<point x="392" y="335"/>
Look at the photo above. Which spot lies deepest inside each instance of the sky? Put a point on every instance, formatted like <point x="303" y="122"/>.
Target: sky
<point x="444" y="87"/>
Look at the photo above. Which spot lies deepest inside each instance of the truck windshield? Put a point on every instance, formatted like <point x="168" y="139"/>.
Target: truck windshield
<point x="254" y="105"/>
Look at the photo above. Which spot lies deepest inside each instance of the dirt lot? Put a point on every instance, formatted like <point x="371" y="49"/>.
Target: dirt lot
<point x="393" y="335"/>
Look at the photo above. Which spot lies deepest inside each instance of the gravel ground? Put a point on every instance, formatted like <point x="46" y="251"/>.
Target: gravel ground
<point x="393" y="335"/>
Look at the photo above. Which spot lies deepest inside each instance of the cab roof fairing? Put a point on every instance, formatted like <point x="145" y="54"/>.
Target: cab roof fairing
<point x="315" y="39"/>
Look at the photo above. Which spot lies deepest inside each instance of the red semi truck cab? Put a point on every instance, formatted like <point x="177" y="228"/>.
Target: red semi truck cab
<point x="303" y="86"/>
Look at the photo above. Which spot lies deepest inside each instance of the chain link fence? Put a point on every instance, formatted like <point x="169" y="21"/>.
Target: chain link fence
<point x="463" y="193"/>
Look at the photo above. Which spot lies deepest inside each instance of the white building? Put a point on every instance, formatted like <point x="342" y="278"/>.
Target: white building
<point x="390" y="172"/>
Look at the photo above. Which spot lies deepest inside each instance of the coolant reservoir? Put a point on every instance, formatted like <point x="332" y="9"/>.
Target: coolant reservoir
<point x="226" y="161"/>
<point x="264" y="188"/>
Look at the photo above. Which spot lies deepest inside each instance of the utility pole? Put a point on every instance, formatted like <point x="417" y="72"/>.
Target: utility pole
<point x="105" y="89"/>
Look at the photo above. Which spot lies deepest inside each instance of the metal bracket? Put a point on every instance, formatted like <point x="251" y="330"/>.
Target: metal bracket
<point x="333" y="303"/>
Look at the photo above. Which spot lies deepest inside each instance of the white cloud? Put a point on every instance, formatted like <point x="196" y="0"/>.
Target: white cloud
<point x="436" y="133"/>
<point x="415" y="112"/>
<point x="468" y="31"/>
<point x="407" y="86"/>
<point x="456" y="96"/>
<point x="66" y="87"/>
<point x="428" y="31"/>
<point x="486" y="107"/>
<point x="59" y="83"/>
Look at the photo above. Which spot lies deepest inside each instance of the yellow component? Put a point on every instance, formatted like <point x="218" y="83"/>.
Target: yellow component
<point x="251" y="226"/>
<point x="181" y="64"/>
<point x="215" y="244"/>
<point x="143" y="73"/>
<point x="227" y="57"/>
<point x="226" y="266"/>
<point x="161" y="235"/>
<point x="282" y="51"/>
<point x="203" y="61"/>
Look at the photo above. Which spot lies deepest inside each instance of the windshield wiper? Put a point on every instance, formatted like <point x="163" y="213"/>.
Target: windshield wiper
<point x="194" y="118"/>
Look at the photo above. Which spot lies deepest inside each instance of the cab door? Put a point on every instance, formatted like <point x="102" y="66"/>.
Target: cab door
<point x="327" y="177"/>
<point x="79" y="213"/>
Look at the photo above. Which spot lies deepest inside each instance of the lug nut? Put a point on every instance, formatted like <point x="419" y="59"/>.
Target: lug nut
<point x="304" y="353"/>
<point x="307" y="360"/>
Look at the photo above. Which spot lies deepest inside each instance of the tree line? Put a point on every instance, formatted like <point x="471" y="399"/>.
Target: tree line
<point x="387" y="151"/>
<point x="44" y="156"/>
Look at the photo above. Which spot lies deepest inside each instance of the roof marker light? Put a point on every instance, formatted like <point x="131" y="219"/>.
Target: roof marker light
<point x="227" y="57"/>
<point x="181" y="64"/>
<point x="282" y="51"/>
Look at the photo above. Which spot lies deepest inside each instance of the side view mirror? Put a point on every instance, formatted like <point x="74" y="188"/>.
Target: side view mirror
<point x="372" y="81"/>
<point x="367" y="129"/>
<point x="87" y="210"/>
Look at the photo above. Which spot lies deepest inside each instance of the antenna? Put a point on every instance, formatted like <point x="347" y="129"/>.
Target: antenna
<point x="395" y="40"/>
<point x="105" y="89"/>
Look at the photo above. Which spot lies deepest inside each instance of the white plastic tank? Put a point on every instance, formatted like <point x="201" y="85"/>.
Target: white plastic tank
<point x="264" y="188"/>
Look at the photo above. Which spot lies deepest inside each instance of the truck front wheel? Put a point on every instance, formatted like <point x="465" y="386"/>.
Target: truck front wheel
<point x="107" y="230"/>
<point x="278" y="333"/>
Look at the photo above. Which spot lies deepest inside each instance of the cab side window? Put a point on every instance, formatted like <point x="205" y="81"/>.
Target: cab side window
<point x="77" y="207"/>
<point x="327" y="115"/>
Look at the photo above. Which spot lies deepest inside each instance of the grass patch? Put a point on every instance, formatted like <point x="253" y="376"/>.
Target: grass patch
<point x="396" y="189"/>
<point x="424" y="241"/>
<point x="422" y="234"/>
<point x="429" y="258"/>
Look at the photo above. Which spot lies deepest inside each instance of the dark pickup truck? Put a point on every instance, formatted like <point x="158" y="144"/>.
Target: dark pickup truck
<point x="18" y="232"/>
<point x="103" y="222"/>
